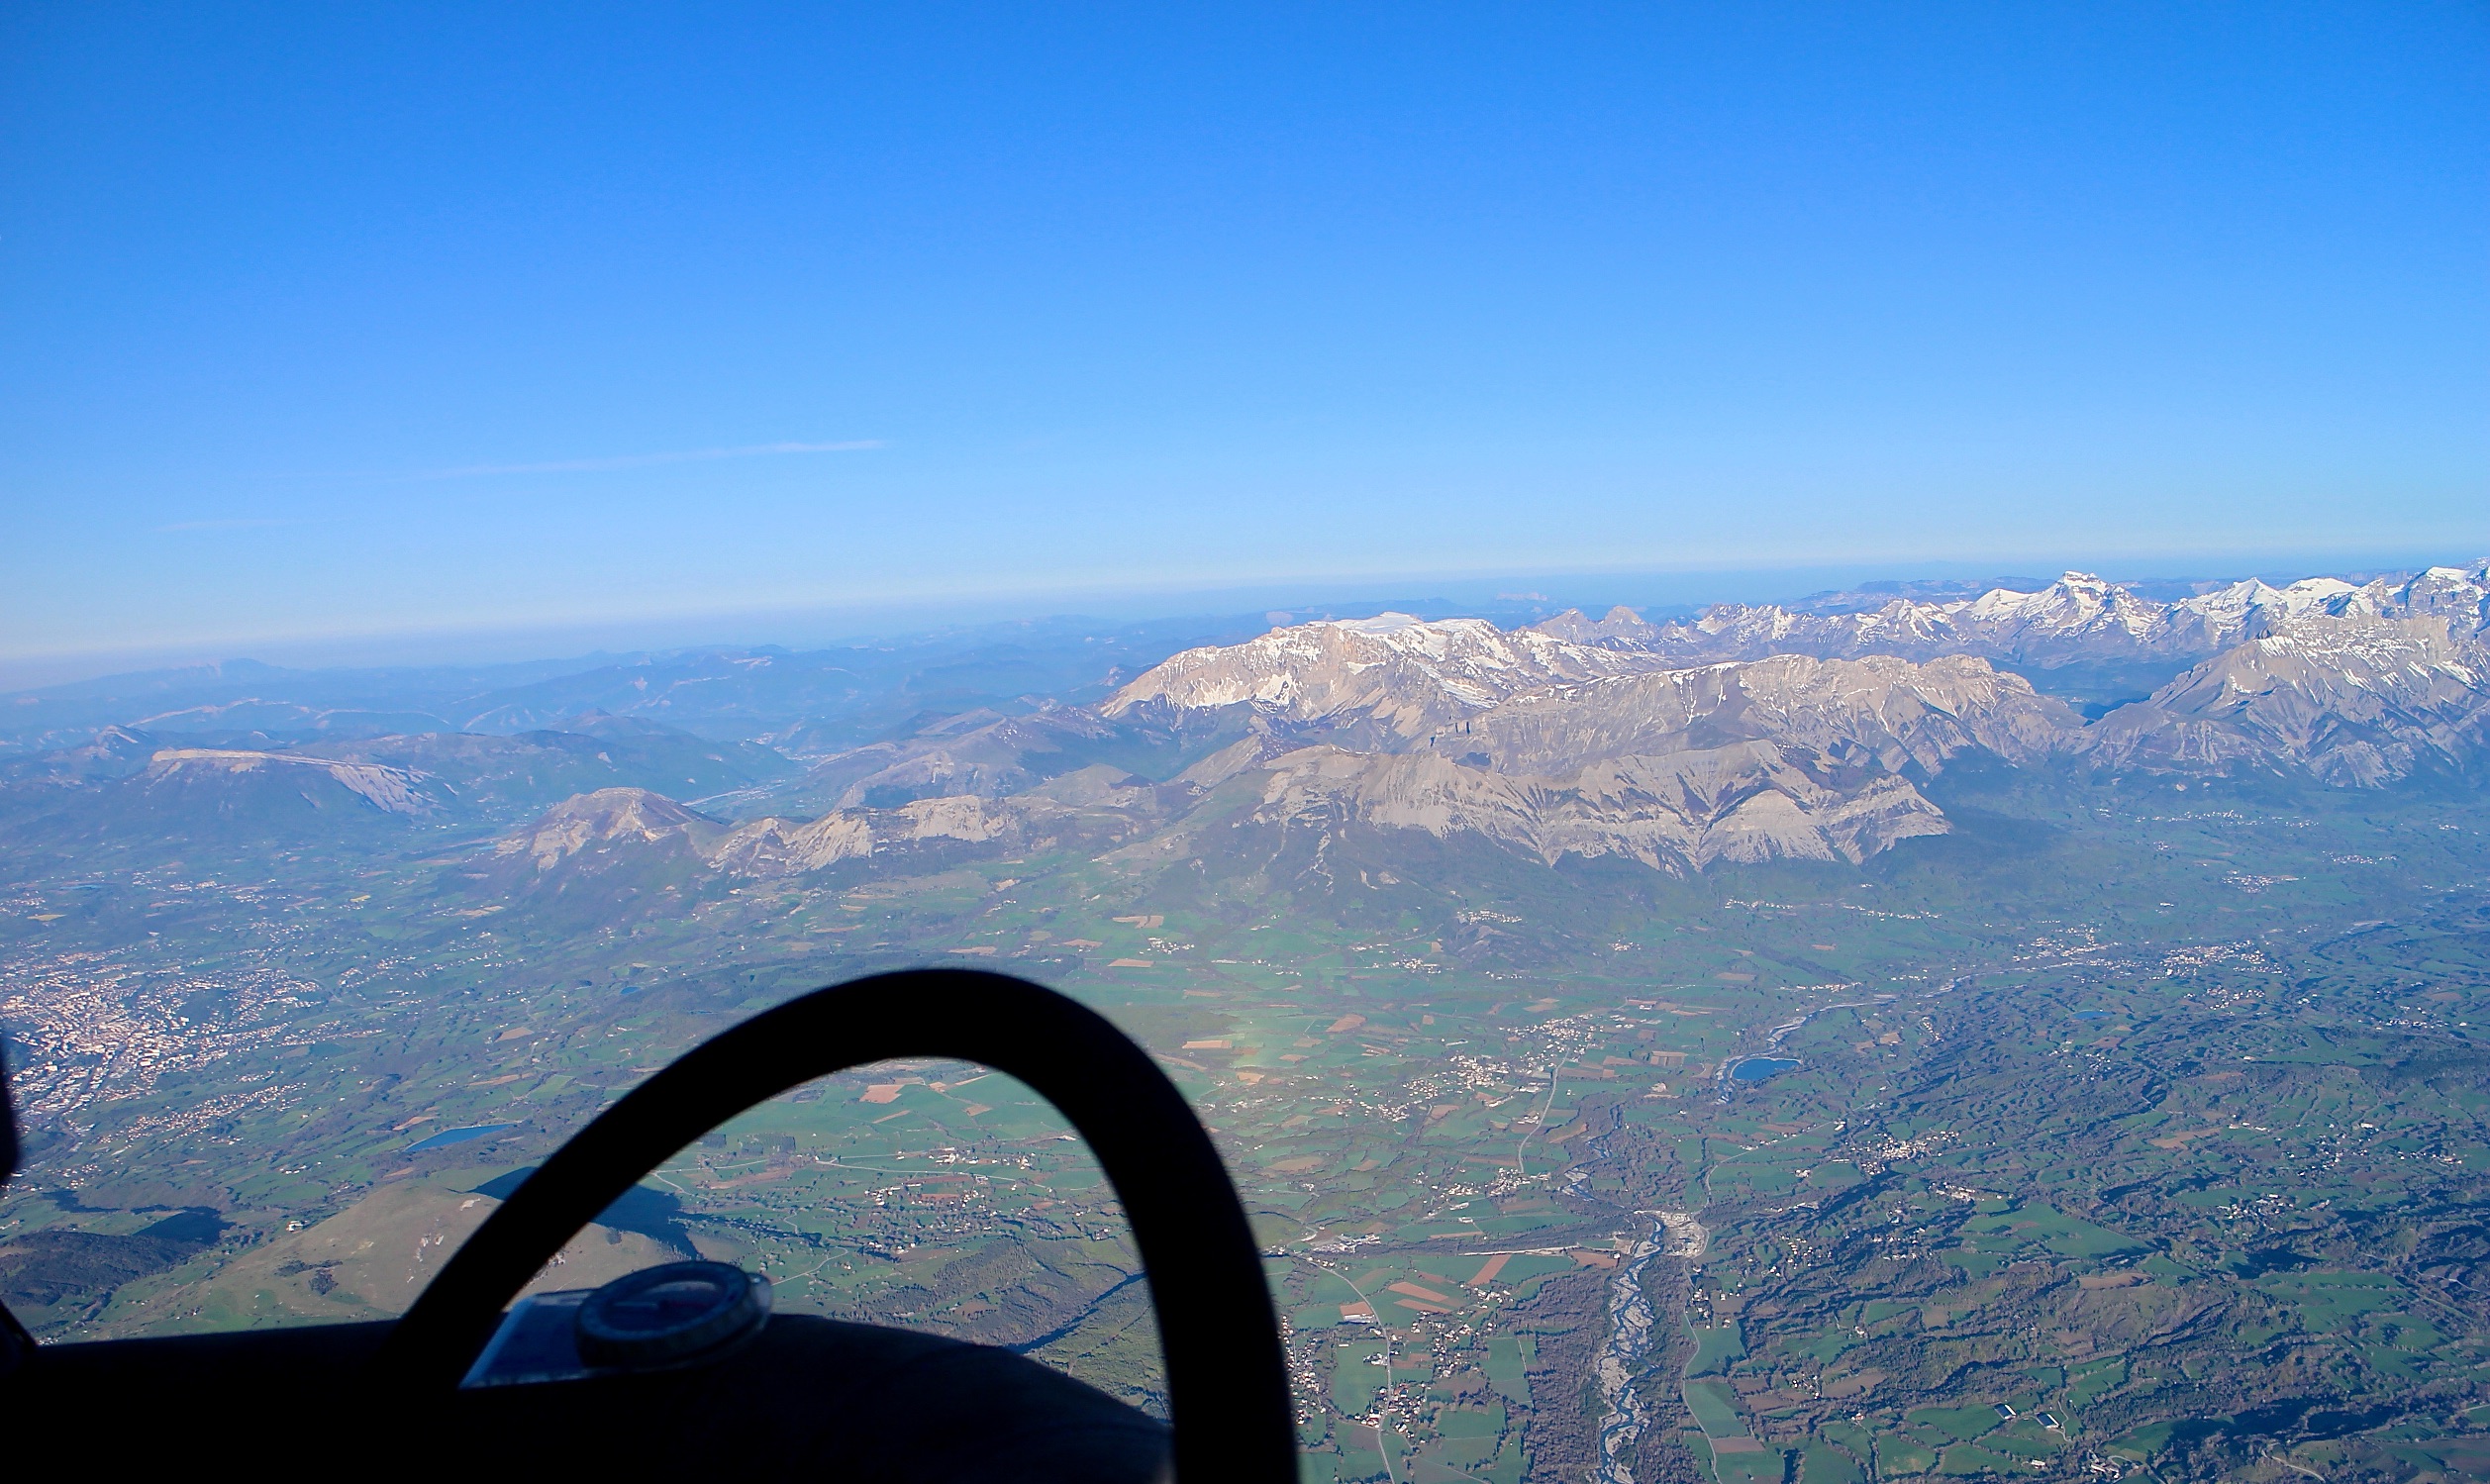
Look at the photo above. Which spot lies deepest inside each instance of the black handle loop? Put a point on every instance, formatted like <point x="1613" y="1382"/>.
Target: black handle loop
<point x="1226" y="1375"/>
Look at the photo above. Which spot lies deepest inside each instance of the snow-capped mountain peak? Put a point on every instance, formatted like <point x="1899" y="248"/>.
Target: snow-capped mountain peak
<point x="2079" y="618"/>
<point x="1402" y="674"/>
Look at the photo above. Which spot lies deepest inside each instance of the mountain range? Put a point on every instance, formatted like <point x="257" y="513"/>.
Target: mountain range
<point x="2078" y="619"/>
<point x="1742" y="733"/>
<point x="1574" y="738"/>
<point x="137" y="786"/>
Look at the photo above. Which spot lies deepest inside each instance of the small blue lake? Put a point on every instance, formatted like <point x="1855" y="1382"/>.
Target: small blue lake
<point x="1756" y="1068"/>
<point x="457" y="1135"/>
<point x="2090" y="1015"/>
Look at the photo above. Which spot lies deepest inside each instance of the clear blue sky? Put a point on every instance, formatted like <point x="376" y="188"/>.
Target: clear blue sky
<point x="356" y="319"/>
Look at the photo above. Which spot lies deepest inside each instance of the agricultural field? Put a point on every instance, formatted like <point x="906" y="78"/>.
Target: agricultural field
<point x="2120" y="1130"/>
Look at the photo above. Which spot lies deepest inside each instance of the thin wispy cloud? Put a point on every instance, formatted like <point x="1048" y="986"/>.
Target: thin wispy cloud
<point x="643" y="461"/>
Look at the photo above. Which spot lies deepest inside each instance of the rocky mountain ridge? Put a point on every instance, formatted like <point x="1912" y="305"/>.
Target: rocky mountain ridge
<point x="130" y="783"/>
<point x="2077" y="617"/>
<point x="392" y="790"/>
<point x="1378" y="682"/>
<point x="1552" y="747"/>
<point x="2356" y="700"/>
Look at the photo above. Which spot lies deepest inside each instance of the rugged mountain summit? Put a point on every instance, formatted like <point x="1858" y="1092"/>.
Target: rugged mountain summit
<point x="1556" y="748"/>
<point x="1550" y="748"/>
<point x="602" y="818"/>
<point x="2353" y="700"/>
<point x="1378" y="682"/>
<point x="1550" y="703"/>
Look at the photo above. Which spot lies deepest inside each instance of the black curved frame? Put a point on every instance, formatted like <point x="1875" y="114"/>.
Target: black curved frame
<point x="1228" y="1385"/>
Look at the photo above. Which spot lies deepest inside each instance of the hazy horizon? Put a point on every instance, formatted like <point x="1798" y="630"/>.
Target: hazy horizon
<point x="826" y="626"/>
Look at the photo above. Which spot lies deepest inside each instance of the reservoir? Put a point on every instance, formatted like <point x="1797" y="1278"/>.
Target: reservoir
<point x="472" y="1130"/>
<point x="1756" y="1068"/>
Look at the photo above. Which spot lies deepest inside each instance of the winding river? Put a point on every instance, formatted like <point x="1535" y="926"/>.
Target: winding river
<point x="1674" y="1234"/>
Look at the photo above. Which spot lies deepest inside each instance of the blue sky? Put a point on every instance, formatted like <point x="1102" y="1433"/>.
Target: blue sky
<point x="336" y="321"/>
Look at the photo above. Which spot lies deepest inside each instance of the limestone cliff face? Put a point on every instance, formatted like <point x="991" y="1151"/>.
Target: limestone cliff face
<point x="1376" y="682"/>
<point x="1553" y="746"/>
<point x="1883" y="709"/>
<point x="782" y="848"/>
<point x="392" y="790"/>
<point x="1391" y="683"/>
<point x="1677" y="812"/>
<point x="631" y="815"/>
